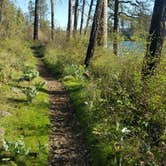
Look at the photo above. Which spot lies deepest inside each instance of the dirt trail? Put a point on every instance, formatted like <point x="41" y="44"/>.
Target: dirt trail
<point x="66" y="141"/>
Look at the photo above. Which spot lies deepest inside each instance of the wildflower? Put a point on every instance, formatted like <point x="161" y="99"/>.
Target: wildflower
<point x="125" y="130"/>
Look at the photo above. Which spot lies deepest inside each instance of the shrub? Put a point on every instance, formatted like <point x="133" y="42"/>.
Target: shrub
<point x="30" y="93"/>
<point x="29" y="74"/>
<point x="123" y="118"/>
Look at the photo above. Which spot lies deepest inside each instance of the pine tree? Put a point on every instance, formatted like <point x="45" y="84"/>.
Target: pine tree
<point x="69" y="25"/>
<point x="75" y="17"/>
<point x="36" y="20"/>
<point x="52" y="19"/>
<point x="94" y="30"/>
<point x="155" y="40"/>
<point x="82" y="16"/>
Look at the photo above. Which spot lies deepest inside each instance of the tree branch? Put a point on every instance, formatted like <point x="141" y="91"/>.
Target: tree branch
<point x="125" y="14"/>
<point x="131" y="3"/>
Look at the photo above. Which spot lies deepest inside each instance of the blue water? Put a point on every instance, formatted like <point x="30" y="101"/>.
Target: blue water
<point x="129" y="46"/>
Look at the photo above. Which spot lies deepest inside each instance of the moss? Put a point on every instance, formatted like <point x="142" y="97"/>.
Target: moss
<point x="29" y="121"/>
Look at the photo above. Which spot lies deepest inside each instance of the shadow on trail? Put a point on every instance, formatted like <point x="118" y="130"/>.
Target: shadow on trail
<point x="52" y="92"/>
<point x="39" y="50"/>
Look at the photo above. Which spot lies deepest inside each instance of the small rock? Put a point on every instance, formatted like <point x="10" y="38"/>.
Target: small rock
<point x="4" y="113"/>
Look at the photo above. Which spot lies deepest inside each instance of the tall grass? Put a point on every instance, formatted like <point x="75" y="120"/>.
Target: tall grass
<point x="123" y="119"/>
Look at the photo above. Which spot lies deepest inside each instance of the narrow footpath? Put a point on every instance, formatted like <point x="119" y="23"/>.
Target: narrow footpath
<point x="66" y="141"/>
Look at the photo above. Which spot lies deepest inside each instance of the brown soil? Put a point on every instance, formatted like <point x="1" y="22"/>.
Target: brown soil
<point x="66" y="141"/>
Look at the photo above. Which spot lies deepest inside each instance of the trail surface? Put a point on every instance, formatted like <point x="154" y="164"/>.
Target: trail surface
<point x="66" y="141"/>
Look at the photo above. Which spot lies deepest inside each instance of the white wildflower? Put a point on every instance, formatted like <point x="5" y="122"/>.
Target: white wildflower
<point x="125" y="130"/>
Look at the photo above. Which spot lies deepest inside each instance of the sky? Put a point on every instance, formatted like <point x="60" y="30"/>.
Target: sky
<point x="61" y="10"/>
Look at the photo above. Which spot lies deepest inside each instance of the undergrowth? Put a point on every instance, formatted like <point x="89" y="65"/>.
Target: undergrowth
<point x="123" y="118"/>
<point x="24" y="106"/>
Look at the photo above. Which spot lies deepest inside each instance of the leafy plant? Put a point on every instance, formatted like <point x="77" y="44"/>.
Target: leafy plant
<point x="15" y="147"/>
<point x="75" y="70"/>
<point x="40" y="85"/>
<point x="29" y="74"/>
<point x="30" y="92"/>
<point x="12" y="150"/>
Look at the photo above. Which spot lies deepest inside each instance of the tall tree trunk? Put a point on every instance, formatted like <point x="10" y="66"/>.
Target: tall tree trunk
<point x="155" y="40"/>
<point x="52" y="19"/>
<point x="100" y="28"/>
<point x="93" y="35"/>
<point x="36" y="21"/>
<point x="69" y="25"/>
<point x="82" y="16"/>
<point x="89" y="16"/>
<point x="116" y="27"/>
<point x="75" y="17"/>
<point x="1" y="9"/>
<point x="105" y="24"/>
<point x="102" y="31"/>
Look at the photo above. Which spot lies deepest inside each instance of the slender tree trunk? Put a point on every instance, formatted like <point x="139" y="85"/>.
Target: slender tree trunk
<point x="36" y="21"/>
<point x="52" y="19"/>
<point x="69" y="25"/>
<point x="89" y="16"/>
<point x="116" y="27"/>
<point x="93" y="35"/>
<point x="155" y="40"/>
<point x="75" y="17"/>
<point x="82" y="16"/>
<point x="105" y="25"/>
<point x="1" y="9"/>
<point x="102" y="32"/>
<point x="100" y="28"/>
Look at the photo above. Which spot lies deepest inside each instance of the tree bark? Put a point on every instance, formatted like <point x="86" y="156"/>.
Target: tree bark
<point x="116" y="27"/>
<point x="36" y="20"/>
<point x="105" y="23"/>
<point x="102" y="30"/>
<point x="69" y="25"/>
<point x="93" y="35"/>
<point x="82" y="16"/>
<point x="52" y="19"/>
<point x="1" y="9"/>
<point x="155" y="39"/>
<point x="89" y="16"/>
<point x="75" y="17"/>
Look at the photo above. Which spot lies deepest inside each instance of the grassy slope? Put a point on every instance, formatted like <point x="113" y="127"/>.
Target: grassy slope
<point x="28" y="121"/>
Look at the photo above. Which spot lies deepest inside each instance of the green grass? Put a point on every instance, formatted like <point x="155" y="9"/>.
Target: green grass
<point x="113" y="99"/>
<point x="28" y="121"/>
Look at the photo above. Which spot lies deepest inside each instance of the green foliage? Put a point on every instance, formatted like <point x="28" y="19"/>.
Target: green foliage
<point x="40" y="85"/>
<point x="123" y="119"/>
<point x="29" y="74"/>
<point x="30" y="92"/>
<point x="56" y="59"/>
<point x="13" y="22"/>
<point x="27" y="120"/>
<point x="75" y="70"/>
<point x="16" y="148"/>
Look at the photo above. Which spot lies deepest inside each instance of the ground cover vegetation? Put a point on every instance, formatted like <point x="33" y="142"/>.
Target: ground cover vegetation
<point x="24" y="106"/>
<point x="118" y="93"/>
<point x="123" y="118"/>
